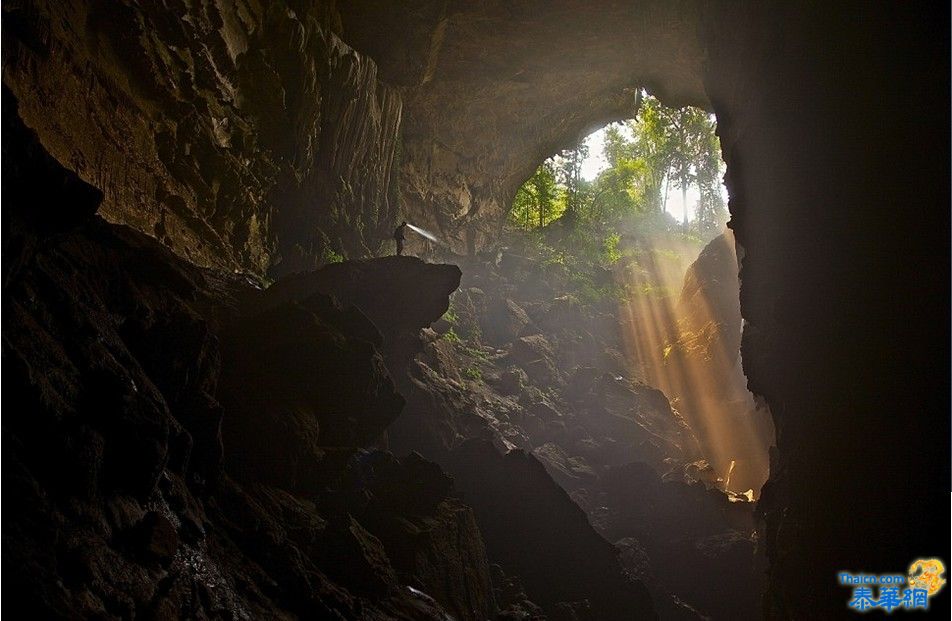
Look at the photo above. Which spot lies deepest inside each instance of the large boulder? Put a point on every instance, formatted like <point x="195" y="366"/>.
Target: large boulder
<point x="711" y="290"/>
<point x="533" y="530"/>
<point x="694" y="538"/>
<point x="535" y="356"/>
<point x="400" y="295"/>
<point x="633" y="420"/>
<point x="355" y="556"/>
<point x="298" y="379"/>
<point x="430" y="537"/>
<point x="702" y="374"/>
<point x="503" y="322"/>
<point x="570" y="472"/>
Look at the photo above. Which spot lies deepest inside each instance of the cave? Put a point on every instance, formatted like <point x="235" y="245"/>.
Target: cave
<point x="225" y="400"/>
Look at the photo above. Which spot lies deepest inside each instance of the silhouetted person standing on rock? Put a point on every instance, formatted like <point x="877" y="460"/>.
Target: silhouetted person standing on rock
<point x="399" y="235"/>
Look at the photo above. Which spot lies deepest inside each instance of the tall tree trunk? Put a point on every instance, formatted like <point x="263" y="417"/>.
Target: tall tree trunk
<point x="684" y="200"/>
<point x="664" y="200"/>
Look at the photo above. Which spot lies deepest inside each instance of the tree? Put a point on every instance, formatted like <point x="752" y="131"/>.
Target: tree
<point x="711" y="210"/>
<point x="618" y="190"/>
<point x="679" y="145"/>
<point x="659" y="147"/>
<point x="652" y="148"/>
<point x="616" y="147"/>
<point x="536" y="201"/>
<point x="570" y="176"/>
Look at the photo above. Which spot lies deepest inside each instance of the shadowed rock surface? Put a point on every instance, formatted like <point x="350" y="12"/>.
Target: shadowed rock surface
<point x="512" y="436"/>
<point x="125" y="506"/>
<point x="400" y="295"/>
<point x="534" y="530"/>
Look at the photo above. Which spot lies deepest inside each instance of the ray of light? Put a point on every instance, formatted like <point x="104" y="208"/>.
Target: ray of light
<point x="685" y="353"/>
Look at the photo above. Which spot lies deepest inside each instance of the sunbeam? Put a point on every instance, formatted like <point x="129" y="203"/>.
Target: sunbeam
<point x="688" y="349"/>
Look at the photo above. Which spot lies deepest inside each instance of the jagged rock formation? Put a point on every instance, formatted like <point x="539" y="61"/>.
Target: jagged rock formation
<point x="336" y="393"/>
<point x="710" y="301"/>
<point x="241" y="135"/>
<point x="515" y="421"/>
<point x="683" y="539"/>
<point x="159" y="464"/>
<point x="254" y="136"/>
<point x="397" y="294"/>
<point x="533" y="530"/>
<point x="213" y="478"/>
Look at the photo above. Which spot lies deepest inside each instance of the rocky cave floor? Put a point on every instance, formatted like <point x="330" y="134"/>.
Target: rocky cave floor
<point x="337" y="445"/>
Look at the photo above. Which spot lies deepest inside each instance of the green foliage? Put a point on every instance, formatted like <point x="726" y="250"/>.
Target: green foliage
<point x="474" y="352"/>
<point x="586" y="230"/>
<point x="680" y="145"/>
<point x="580" y="259"/>
<point x="540" y="200"/>
<point x="329" y="255"/>
<point x="458" y="341"/>
<point x="474" y="374"/>
<point x="661" y="147"/>
<point x="610" y="252"/>
<point x="711" y="210"/>
<point x="569" y="174"/>
<point x="450" y="315"/>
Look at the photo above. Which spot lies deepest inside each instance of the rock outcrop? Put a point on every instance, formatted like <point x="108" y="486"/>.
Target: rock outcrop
<point x="541" y="431"/>
<point x="299" y="380"/>
<point x="535" y="531"/>
<point x="163" y="465"/>
<point x="400" y="296"/>
<point x="697" y="364"/>
<point x="687" y="540"/>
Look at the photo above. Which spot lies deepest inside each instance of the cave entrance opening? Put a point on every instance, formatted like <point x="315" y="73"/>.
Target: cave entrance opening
<point x="634" y="214"/>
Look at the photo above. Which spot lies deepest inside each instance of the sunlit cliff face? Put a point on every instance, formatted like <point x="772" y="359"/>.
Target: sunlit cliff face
<point x="689" y="348"/>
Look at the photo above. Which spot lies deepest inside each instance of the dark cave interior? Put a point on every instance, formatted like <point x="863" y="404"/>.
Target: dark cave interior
<point x="208" y="419"/>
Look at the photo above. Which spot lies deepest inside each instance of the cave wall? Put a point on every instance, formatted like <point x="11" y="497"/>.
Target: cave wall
<point x="243" y="135"/>
<point x="271" y="136"/>
<point x="132" y="491"/>
<point x="835" y="136"/>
